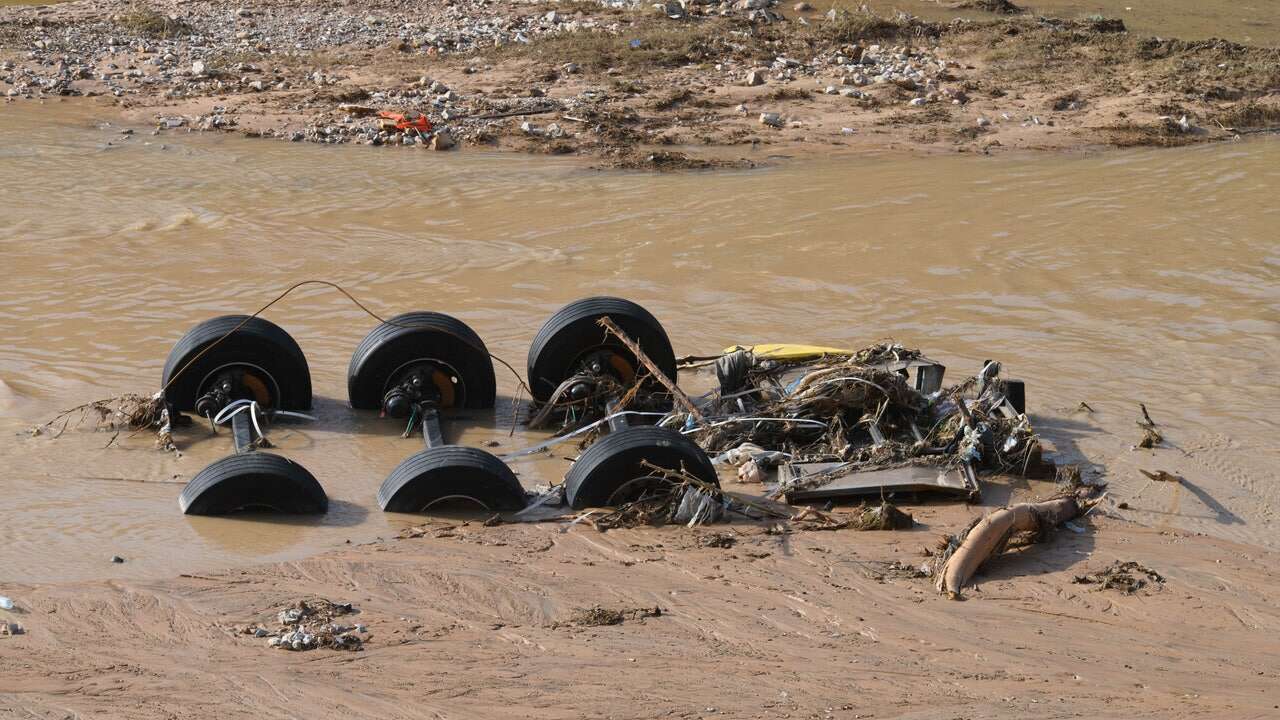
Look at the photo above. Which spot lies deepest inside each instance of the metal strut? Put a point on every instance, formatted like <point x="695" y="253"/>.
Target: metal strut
<point x="617" y="421"/>
<point x="431" y="434"/>
<point x="242" y="430"/>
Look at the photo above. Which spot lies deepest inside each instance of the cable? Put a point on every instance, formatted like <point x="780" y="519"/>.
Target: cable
<point x="754" y="419"/>
<point x="358" y="304"/>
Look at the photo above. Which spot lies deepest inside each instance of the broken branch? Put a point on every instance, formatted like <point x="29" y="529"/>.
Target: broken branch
<point x="661" y="377"/>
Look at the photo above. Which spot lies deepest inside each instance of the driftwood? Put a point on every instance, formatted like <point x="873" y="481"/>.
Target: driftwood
<point x="967" y="552"/>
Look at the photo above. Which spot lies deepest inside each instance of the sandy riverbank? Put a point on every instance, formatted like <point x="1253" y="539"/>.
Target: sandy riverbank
<point x="635" y="86"/>
<point x="472" y="621"/>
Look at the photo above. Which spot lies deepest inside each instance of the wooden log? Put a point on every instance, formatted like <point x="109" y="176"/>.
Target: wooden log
<point x="993" y="530"/>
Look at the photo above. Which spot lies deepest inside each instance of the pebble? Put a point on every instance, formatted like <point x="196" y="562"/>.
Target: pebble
<point x="117" y="558"/>
<point x="983" y="122"/>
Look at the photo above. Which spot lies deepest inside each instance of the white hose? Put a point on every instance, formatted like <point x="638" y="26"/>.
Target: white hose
<point x="235" y="407"/>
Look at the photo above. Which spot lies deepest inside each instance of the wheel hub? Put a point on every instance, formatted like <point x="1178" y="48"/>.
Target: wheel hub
<point x="235" y="383"/>
<point x="420" y="384"/>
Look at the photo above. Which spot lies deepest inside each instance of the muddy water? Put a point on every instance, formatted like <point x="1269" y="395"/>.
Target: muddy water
<point x="1112" y="279"/>
<point x="1253" y="22"/>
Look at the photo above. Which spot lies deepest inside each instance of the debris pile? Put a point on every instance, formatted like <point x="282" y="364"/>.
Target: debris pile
<point x="885" y="516"/>
<point x="598" y="616"/>
<point x="675" y="496"/>
<point x="1128" y="577"/>
<point x="307" y="625"/>
<point x="829" y="414"/>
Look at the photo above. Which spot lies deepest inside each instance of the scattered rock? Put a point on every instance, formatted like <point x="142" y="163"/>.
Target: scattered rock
<point x="771" y="119"/>
<point x="310" y="625"/>
<point x="442" y="140"/>
<point x="117" y="559"/>
<point x="755" y="77"/>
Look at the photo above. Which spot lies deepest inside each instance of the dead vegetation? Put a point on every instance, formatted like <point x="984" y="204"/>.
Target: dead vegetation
<point x="1248" y="116"/>
<point x="851" y="27"/>
<point x="116" y="414"/>
<point x="145" y="21"/>
<point x="885" y="516"/>
<point x="600" y="616"/>
<point x="645" y="46"/>
<point x="1127" y="577"/>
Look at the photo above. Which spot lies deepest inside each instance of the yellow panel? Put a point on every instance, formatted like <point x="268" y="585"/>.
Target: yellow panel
<point x="786" y="351"/>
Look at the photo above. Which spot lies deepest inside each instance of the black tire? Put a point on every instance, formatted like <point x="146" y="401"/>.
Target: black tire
<point x="448" y="472"/>
<point x="606" y="473"/>
<point x="253" y="481"/>
<point x="421" y="336"/>
<point x="260" y="343"/>
<point x="572" y="332"/>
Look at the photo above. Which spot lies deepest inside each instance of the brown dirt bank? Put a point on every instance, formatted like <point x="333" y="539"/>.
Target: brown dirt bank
<point x="473" y="621"/>
<point x="622" y="84"/>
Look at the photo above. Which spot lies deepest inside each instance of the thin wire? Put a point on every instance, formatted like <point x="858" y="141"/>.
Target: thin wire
<point x="754" y="419"/>
<point x="561" y="438"/>
<point x="358" y="304"/>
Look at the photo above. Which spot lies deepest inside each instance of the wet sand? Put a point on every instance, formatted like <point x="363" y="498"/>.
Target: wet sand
<point x="475" y="622"/>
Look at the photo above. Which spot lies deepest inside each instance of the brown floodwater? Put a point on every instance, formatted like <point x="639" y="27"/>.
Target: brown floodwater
<point x="1112" y="278"/>
<point x="1253" y="22"/>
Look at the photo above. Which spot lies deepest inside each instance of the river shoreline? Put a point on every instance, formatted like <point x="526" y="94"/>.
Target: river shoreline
<point x="474" y="621"/>
<point x="630" y="87"/>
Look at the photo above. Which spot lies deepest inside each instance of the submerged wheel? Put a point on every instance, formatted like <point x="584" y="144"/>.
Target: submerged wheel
<point x="253" y="481"/>
<point x="461" y="368"/>
<point x="268" y="364"/>
<point x="610" y="472"/>
<point x="571" y="336"/>
<point x="448" y="473"/>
